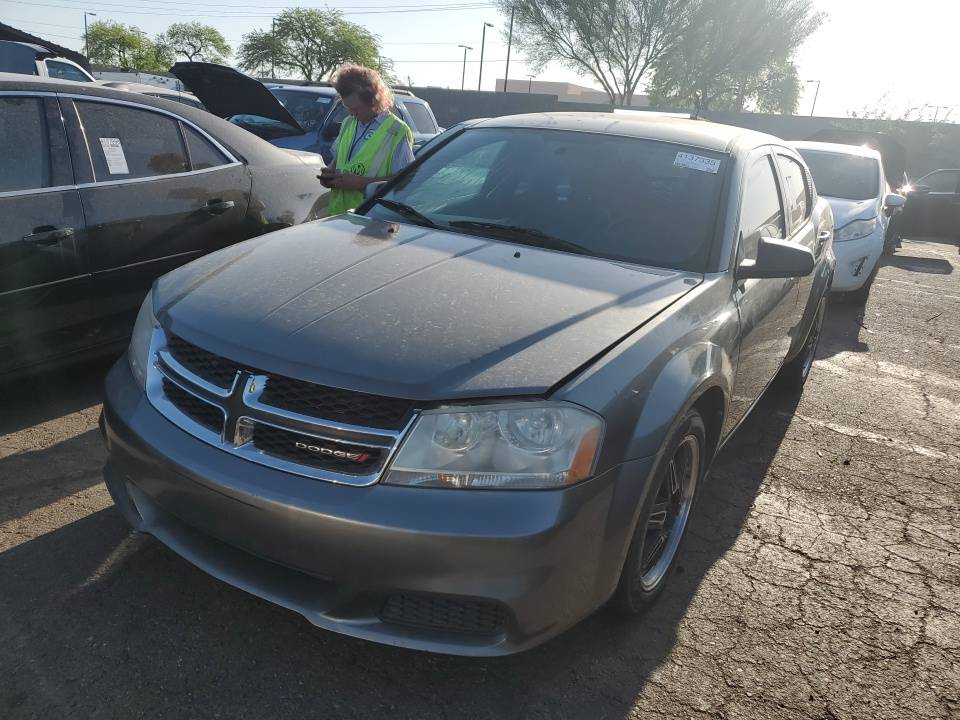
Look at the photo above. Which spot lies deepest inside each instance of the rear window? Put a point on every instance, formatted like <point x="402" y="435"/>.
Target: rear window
<point x="847" y="177"/>
<point x="641" y="201"/>
<point x="308" y="108"/>
<point x="421" y="118"/>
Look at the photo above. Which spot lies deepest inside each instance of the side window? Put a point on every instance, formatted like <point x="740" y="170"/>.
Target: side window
<point x="762" y="211"/>
<point x="25" y="159"/>
<point x="127" y="142"/>
<point x="796" y="190"/>
<point x="421" y="118"/>
<point x="203" y="154"/>
<point x="65" y="71"/>
<point x="942" y="182"/>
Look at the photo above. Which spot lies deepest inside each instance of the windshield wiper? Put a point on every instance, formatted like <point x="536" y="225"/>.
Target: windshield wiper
<point x="525" y="235"/>
<point x="405" y="211"/>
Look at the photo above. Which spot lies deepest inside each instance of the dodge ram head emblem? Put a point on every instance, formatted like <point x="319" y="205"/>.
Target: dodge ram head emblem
<point x="332" y="452"/>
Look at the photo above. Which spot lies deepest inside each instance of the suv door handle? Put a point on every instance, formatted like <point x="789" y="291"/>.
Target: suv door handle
<point x="218" y="207"/>
<point x="47" y="235"/>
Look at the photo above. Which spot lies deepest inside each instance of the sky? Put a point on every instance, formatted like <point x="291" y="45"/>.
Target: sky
<point x="869" y="52"/>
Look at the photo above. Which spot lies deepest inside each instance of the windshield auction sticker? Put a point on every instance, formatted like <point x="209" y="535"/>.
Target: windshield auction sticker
<point x="113" y="154"/>
<point x="694" y="162"/>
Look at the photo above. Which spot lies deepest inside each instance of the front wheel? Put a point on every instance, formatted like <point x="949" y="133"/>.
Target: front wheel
<point x="663" y="518"/>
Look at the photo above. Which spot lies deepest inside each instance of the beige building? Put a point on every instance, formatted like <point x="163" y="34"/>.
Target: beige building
<point x="567" y="92"/>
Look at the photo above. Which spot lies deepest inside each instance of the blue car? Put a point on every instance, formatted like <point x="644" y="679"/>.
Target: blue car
<point x="298" y="117"/>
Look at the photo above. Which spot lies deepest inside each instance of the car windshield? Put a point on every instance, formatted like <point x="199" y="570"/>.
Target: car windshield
<point x="308" y="108"/>
<point x="266" y="128"/>
<point x="640" y="201"/>
<point x="848" y="177"/>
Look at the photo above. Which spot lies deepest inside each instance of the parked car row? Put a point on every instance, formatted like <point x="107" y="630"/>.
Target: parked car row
<point x="463" y="416"/>
<point x="301" y="117"/>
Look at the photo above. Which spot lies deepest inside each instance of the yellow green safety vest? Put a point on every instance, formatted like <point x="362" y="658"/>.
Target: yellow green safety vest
<point x="372" y="160"/>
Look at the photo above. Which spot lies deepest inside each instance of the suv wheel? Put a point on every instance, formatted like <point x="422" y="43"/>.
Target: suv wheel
<point x="663" y="517"/>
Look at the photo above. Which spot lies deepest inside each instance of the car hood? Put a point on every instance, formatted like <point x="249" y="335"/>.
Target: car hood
<point x="402" y="310"/>
<point x="226" y="92"/>
<point x="846" y="211"/>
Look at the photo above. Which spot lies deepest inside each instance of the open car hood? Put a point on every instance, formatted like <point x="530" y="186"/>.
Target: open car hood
<point x="227" y="92"/>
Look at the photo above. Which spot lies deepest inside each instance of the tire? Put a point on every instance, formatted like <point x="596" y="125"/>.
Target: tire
<point x="663" y="518"/>
<point x="794" y="374"/>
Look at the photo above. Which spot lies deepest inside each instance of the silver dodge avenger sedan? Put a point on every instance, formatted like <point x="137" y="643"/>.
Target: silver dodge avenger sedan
<point x="480" y="407"/>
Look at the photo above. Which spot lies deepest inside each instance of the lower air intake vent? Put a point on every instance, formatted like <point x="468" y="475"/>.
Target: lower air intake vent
<point x="473" y="617"/>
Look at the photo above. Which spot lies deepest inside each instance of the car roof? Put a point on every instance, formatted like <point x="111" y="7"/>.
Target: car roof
<point x="242" y="142"/>
<point x="698" y="133"/>
<point x="836" y="148"/>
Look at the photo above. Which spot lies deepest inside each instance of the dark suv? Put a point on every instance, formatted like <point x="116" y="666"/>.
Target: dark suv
<point x="102" y="191"/>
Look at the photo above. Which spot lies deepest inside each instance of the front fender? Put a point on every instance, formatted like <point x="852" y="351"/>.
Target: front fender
<point x="645" y="384"/>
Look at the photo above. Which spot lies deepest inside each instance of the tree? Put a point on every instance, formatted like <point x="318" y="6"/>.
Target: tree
<point x="125" y="46"/>
<point x="311" y="43"/>
<point x="615" y="42"/>
<point x="737" y="52"/>
<point x="196" y="42"/>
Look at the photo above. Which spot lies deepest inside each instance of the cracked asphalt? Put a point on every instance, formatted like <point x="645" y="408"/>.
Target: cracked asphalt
<point x="821" y="577"/>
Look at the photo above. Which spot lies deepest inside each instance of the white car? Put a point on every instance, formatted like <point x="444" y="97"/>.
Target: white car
<point x="851" y="179"/>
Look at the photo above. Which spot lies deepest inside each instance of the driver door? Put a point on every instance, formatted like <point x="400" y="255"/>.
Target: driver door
<point x="767" y="307"/>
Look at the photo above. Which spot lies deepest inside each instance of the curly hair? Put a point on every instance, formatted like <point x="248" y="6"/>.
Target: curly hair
<point x="367" y="83"/>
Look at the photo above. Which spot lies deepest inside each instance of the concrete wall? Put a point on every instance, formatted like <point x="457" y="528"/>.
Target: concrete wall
<point x="453" y="106"/>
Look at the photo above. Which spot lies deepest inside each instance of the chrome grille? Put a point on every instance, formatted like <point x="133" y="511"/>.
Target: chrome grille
<point x="299" y="427"/>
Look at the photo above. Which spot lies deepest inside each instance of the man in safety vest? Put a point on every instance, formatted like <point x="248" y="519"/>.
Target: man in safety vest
<point x="373" y="144"/>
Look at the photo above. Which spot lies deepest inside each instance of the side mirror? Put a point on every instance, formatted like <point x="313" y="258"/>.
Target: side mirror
<point x="893" y="200"/>
<point x="777" y="259"/>
<point x="372" y="189"/>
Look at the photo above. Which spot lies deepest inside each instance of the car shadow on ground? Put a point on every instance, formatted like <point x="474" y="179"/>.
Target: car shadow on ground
<point x="36" y="478"/>
<point x="936" y="266"/>
<point x="34" y="398"/>
<point x="100" y="621"/>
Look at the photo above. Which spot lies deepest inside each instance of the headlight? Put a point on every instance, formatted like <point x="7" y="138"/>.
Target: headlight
<point x="856" y="230"/>
<point x="138" y="354"/>
<point x="520" y="446"/>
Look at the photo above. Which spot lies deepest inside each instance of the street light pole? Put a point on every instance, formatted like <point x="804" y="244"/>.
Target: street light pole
<point x="815" y="96"/>
<point x="273" y="48"/>
<point x="506" y="73"/>
<point x="463" y="79"/>
<point x="530" y="83"/>
<point x="86" y="41"/>
<point x="483" y="42"/>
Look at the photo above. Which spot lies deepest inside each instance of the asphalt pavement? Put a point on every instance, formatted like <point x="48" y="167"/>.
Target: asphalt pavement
<point x="820" y="578"/>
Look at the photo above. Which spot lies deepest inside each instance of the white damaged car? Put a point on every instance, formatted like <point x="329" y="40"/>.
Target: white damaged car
<point x="851" y="179"/>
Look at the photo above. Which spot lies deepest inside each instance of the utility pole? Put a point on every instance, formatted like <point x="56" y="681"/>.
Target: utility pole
<point x="530" y="83"/>
<point x="86" y="41"/>
<point x="273" y="48"/>
<point x="506" y="73"/>
<point x="463" y="80"/>
<point x="815" y="96"/>
<point x="483" y="42"/>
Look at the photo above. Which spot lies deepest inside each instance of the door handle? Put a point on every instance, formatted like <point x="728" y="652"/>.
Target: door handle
<point x="218" y="207"/>
<point x="47" y="235"/>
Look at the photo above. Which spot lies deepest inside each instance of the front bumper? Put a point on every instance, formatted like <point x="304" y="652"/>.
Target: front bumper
<point x="856" y="261"/>
<point x="534" y="561"/>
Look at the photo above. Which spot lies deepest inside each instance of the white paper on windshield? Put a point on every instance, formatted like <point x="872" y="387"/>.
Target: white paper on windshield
<point x="697" y="162"/>
<point x="113" y="154"/>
